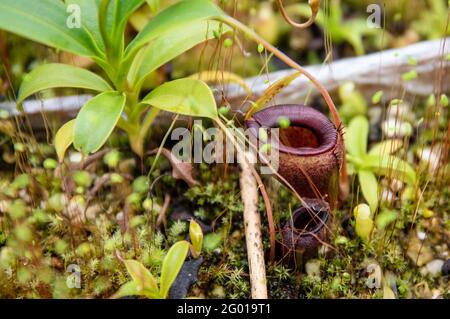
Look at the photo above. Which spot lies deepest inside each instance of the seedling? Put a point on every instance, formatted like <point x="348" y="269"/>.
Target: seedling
<point x="145" y="284"/>
<point x="377" y="161"/>
<point x="101" y="37"/>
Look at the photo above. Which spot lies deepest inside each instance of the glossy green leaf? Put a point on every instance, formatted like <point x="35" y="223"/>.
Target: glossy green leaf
<point x="184" y="96"/>
<point x="180" y="14"/>
<point x="64" y="138"/>
<point x="171" y="266"/>
<point x="391" y="166"/>
<point x="55" y="75"/>
<point x="196" y="235"/>
<point x="96" y="120"/>
<point x="124" y="10"/>
<point x="169" y="46"/>
<point x="141" y="276"/>
<point x="117" y="17"/>
<point x="369" y="188"/>
<point x="356" y="136"/>
<point x="45" y="21"/>
<point x="89" y="18"/>
<point x="386" y="147"/>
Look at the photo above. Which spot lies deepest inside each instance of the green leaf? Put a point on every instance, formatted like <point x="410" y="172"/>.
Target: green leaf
<point x="212" y="241"/>
<point x="184" y="96"/>
<point x="125" y="9"/>
<point x="376" y="98"/>
<point x="351" y="170"/>
<point x="196" y="235"/>
<point x="412" y="61"/>
<point x="141" y="276"/>
<point x="117" y="17"/>
<point x="354" y="37"/>
<point x="271" y="92"/>
<point x="131" y="289"/>
<point x="154" y="5"/>
<point x="55" y="75"/>
<point x="45" y="21"/>
<point x="390" y="165"/>
<point x="169" y="46"/>
<point x="89" y="18"/>
<point x="180" y="14"/>
<point x="356" y="136"/>
<point x="369" y="188"/>
<point x="171" y="266"/>
<point x="386" y="147"/>
<point x="64" y="138"/>
<point x="127" y="289"/>
<point x="353" y="103"/>
<point x="385" y="218"/>
<point x="444" y="100"/>
<point x="410" y="75"/>
<point x="96" y="120"/>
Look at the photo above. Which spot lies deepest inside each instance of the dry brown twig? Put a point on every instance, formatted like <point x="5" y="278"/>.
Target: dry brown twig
<point x="252" y="224"/>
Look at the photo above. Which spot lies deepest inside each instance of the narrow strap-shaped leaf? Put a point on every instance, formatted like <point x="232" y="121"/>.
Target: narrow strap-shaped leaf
<point x="169" y="46"/>
<point x="45" y="21"/>
<point x="389" y="165"/>
<point x="171" y="266"/>
<point x="180" y="14"/>
<point x="271" y="92"/>
<point x="54" y="75"/>
<point x="356" y="136"/>
<point x="64" y="138"/>
<point x="369" y="188"/>
<point x="96" y="120"/>
<point x="184" y="96"/>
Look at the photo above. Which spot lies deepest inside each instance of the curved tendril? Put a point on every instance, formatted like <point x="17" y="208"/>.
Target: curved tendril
<point x="314" y="4"/>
